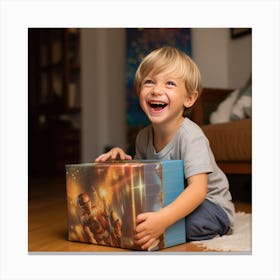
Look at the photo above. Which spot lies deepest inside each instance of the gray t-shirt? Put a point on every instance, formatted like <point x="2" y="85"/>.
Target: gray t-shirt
<point x="190" y="145"/>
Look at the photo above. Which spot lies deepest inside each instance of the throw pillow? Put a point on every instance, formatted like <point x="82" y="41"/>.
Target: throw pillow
<point x="243" y="106"/>
<point x="224" y="109"/>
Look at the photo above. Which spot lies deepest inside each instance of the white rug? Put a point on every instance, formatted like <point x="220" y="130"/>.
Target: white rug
<point x="239" y="241"/>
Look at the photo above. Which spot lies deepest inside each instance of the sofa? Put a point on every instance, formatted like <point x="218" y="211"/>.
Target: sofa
<point x="230" y="137"/>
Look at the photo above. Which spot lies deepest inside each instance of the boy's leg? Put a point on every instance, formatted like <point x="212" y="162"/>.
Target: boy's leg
<point x="206" y="222"/>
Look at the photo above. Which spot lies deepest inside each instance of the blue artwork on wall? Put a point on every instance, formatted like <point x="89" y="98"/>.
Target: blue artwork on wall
<point x="139" y="42"/>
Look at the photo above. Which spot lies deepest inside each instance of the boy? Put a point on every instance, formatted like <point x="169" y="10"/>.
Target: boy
<point x="168" y="83"/>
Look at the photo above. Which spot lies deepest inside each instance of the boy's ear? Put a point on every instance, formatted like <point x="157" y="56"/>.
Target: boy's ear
<point x="190" y="99"/>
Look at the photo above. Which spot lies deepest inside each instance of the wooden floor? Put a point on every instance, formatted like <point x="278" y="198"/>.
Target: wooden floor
<point x="47" y="220"/>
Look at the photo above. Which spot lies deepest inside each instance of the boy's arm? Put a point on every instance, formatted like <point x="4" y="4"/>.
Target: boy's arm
<point x="113" y="154"/>
<point x="151" y="225"/>
<point x="188" y="200"/>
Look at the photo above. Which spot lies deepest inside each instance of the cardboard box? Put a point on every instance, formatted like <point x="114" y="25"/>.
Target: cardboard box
<point x="103" y="200"/>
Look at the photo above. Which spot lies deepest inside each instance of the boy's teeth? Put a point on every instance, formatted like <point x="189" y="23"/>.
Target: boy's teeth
<point x="157" y="103"/>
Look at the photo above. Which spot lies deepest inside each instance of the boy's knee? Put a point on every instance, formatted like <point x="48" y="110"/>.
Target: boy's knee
<point x="202" y="230"/>
<point x="206" y="222"/>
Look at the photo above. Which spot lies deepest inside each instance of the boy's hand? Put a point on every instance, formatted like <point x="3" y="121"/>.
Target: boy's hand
<point x="113" y="154"/>
<point x="150" y="226"/>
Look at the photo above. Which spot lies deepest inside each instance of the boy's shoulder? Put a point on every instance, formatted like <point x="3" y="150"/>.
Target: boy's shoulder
<point x="190" y="131"/>
<point x="145" y="132"/>
<point x="190" y="126"/>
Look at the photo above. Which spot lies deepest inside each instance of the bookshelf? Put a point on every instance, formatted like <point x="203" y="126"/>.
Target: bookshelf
<point x="54" y="99"/>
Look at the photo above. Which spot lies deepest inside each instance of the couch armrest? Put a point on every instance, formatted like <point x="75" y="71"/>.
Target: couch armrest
<point x="231" y="141"/>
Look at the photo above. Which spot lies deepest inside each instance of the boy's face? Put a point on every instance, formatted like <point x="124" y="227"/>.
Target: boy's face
<point x="163" y="97"/>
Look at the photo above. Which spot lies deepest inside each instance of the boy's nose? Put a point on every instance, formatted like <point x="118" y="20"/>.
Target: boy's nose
<point x="158" y="89"/>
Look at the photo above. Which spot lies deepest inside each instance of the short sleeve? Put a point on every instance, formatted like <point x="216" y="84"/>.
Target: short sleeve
<point x="196" y="154"/>
<point x="141" y="144"/>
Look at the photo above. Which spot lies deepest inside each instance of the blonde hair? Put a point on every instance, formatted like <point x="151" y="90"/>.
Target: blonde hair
<point x="171" y="59"/>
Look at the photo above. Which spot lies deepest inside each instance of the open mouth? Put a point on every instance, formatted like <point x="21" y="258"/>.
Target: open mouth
<point x="157" y="105"/>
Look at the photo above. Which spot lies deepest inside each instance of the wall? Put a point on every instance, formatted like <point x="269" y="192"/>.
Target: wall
<point x="224" y="63"/>
<point x="240" y="61"/>
<point x="103" y="90"/>
<point x="210" y="52"/>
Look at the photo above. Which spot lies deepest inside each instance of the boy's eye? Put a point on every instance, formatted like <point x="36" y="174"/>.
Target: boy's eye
<point x="170" y="83"/>
<point x="148" y="82"/>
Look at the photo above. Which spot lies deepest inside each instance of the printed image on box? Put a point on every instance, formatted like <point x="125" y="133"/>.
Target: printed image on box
<point x="104" y="199"/>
